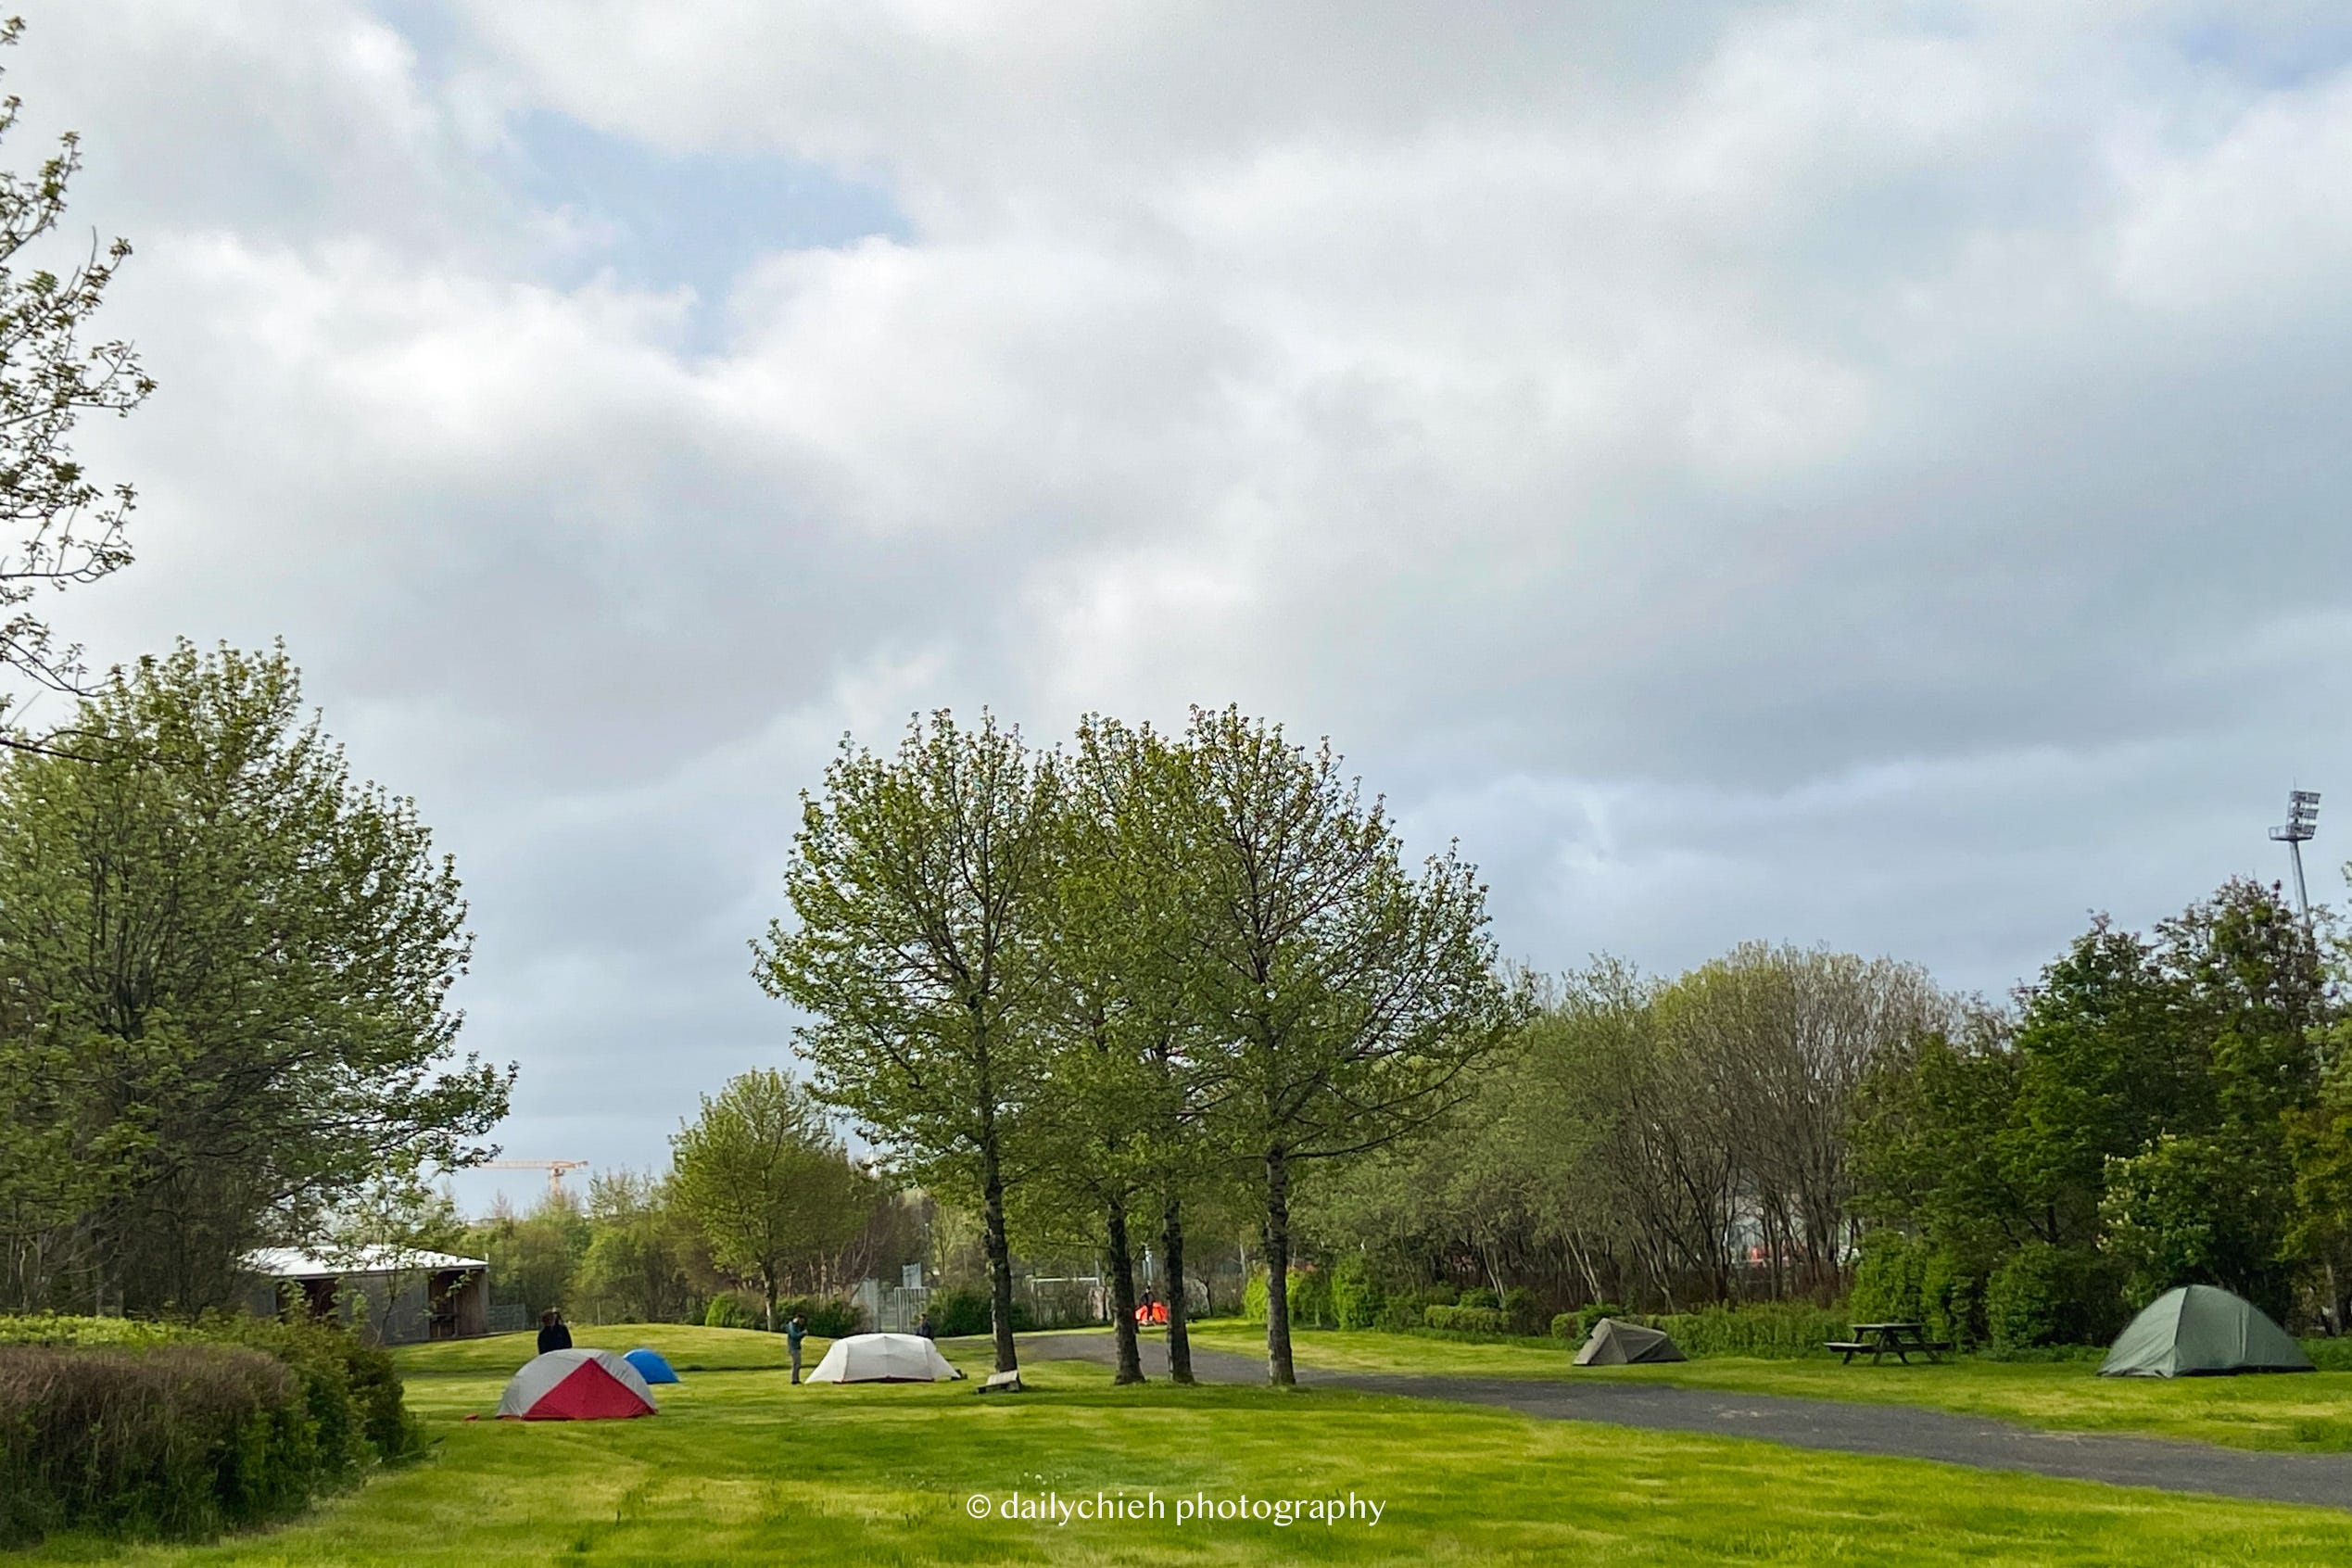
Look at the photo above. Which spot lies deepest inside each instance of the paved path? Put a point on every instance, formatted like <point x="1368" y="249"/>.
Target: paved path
<point x="1905" y="1430"/>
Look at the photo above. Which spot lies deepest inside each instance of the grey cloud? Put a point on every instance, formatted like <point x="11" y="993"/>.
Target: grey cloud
<point x="1787" y="472"/>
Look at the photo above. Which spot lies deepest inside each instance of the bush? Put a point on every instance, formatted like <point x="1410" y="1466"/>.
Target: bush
<point x="1356" y="1299"/>
<point x="2329" y="1355"/>
<point x="1577" y="1325"/>
<point x="1775" y="1330"/>
<point x="830" y="1317"/>
<point x="2043" y="1296"/>
<point x="1311" y="1299"/>
<point x="170" y="1439"/>
<point x="1479" y="1296"/>
<point x="1522" y="1311"/>
<point x="1905" y="1279"/>
<point x="1467" y="1319"/>
<point x="726" y="1311"/>
<point x="1310" y="1303"/>
<point x="1887" y="1280"/>
<point x="351" y="1389"/>
<point x="50" y="1328"/>
<point x="965" y="1310"/>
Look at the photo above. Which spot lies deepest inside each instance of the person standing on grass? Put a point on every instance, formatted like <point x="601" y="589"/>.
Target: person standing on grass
<point x="794" y="1331"/>
<point x="553" y="1336"/>
<point x="924" y="1328"/>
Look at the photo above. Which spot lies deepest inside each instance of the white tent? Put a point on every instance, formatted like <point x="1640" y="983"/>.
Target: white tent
<point x="884" y="1357"/>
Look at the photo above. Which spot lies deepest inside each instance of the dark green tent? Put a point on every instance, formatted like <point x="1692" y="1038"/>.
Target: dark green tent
<point x="2201" y="1331"/>
<point x="1613" y="1344"/>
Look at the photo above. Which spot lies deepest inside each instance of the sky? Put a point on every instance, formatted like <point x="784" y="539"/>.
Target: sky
<point x="1864" y="475"/>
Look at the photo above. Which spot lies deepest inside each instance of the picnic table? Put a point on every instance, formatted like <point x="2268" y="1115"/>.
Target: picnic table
<point x="1878" y="1340"/>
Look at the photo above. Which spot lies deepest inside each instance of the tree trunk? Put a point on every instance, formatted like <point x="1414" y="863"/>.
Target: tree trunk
<point x="1180" y="1341"/>
<point x="1000" y="1250"/>
<point x="767" y="1283"/>
<point x="1278" y="1368"/>
<point x="1122" y="1271"/>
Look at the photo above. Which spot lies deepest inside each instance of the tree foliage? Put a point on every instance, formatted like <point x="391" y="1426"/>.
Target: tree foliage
<point x="227" y="967"/>
<point x="62" y="528"/>
<point x="764" y="1177"/>
<point x="920" y="885"/>
<point x="2158" y="1114"/>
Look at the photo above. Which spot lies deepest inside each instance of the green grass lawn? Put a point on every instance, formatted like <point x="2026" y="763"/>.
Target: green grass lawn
<point x="2306" y="1411"/>
<point x="741" y="1467"/>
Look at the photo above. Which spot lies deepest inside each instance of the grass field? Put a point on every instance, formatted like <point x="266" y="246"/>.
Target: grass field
<point x="2306" y="1411"/>
<point x="740" y="1467"/>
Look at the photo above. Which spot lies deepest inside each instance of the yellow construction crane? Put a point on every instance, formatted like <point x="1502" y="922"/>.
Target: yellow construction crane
<point x="554" y="1169"/>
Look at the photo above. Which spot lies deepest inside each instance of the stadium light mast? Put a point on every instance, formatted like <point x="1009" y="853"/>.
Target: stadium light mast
<point x="2303" y="820"/>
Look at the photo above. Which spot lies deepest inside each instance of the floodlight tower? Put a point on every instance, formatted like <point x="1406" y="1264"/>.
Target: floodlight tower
<point x="2303" y="820"/>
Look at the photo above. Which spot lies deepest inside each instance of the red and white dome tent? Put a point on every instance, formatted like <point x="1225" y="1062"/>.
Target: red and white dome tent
<point x="575" y="1386"/>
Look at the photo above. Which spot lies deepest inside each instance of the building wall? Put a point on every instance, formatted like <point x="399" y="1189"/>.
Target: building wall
<point x="400" y="1309"/>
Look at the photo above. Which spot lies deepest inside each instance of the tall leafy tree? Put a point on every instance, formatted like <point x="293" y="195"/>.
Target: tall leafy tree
<point x="1350" y="994"/>
<point x="768" y="1181"/>
<point x="921" y="886"/>
<point x="1120" y="1130"/>
<point x="62" y="528"/>
<point x="229" y="966"/>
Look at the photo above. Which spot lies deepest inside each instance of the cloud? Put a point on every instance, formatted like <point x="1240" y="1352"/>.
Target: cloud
<point x="1801" y="472"/>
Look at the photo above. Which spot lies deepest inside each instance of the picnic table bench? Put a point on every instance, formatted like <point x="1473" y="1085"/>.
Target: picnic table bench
<point x="1880" y="1340"/>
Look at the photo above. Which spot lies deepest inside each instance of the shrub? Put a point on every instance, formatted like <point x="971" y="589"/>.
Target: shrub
<point x="965" y="1310"/>
<point x="959" y="1311"/>
<point x="1888" y="1279"/>
<point x="2044" y="1294"/>
<point x="1310" y="1304"/>
<point x="2329" y="1355"/>
<point x="1467" y="1319"/>
<point x="726" y="1311"/>
<point x="1522" y="1311"/>
<point x="1577" y="1325"/>
<point x="51" y="1328"/>
<point x="351" y="1389"/>
<point x="1775" y="1330"/>
<point x="171" y="1439"/>
<point x="832" y="1317"/>
<point x="1311" y="1299"/>
<point x="1405" y="1310"/>
<point x="1479" y="1296"/>
<point x="1951" y="1299"/>
<point x="1356" y="1299"/>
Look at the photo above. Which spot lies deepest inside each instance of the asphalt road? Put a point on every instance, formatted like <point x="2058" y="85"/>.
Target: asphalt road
<point x="1903" y="1431"/>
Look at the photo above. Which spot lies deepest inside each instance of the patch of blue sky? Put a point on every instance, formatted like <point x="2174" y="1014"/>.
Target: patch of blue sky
<point x="659" y="221"/>
<point x="656" y="220"/>
<point x="2278" y="48"/>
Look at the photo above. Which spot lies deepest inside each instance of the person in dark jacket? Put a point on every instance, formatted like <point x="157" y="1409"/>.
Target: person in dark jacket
<point x="924" y="1328"/>
<point x="794" y="1331"/>
<point x="553" y="1336"/>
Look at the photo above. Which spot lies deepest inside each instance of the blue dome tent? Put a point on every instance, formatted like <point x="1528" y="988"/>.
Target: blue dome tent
<point x="650" y="1365"/>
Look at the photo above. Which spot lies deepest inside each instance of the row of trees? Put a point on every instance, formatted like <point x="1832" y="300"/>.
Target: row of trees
<point x="2159" y="1109"/>
<point x="1121" y="979"/>
<point x="2153" y="1109"/>
<point x="1647" y="1141"/>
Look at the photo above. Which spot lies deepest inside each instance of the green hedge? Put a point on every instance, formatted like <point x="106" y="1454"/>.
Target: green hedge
<point x="965" y="1310"/>
<point x="1310" y="1298"/>
<point x="172" y="1440"/>
<point x="1466" y="1320"/>
<point x="1767" y="1330"/>
<point x="178" y="1430"/>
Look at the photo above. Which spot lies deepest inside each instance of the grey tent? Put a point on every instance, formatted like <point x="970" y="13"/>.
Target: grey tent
<point x="1614" y="1344"/>
<point x="2200" y="1331"/>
